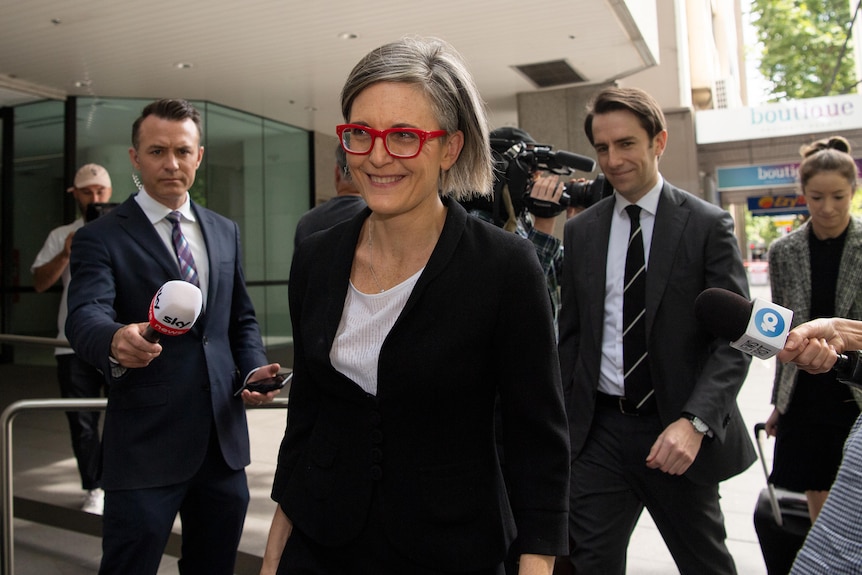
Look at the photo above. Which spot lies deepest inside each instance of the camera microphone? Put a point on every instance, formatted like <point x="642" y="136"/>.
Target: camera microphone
<point x="574" y="161"/>
<point x="174" y="310"/>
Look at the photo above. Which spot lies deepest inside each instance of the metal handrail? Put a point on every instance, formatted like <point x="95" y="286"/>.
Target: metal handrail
<point x="268" y="341"/>
<point x="6" y="479"/>
<point x="30" y="339"/>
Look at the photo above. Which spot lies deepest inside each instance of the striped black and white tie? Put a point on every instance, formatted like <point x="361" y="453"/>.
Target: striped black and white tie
<point x="636" y="372"/>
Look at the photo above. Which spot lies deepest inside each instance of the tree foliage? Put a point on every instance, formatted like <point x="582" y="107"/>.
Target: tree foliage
<point x="800" y="42"/>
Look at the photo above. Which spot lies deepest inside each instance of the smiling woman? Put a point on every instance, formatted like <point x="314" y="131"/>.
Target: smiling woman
<point x="394" y="389"/>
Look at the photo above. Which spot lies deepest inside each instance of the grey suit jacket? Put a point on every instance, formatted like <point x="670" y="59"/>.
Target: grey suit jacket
<point x="693" y="248"/>
<point x="790" y="279"/>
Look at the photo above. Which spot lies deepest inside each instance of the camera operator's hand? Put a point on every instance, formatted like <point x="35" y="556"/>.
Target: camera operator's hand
<point x="548" y="188"/>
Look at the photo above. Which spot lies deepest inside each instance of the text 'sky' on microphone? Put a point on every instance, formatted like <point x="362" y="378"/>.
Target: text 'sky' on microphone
<point x="174" y="310"/>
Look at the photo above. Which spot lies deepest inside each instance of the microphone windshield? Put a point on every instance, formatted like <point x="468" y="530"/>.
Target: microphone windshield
<point x="175" y="308"/>
<point x="575" y="161"/>
<point x="724" y="313"/>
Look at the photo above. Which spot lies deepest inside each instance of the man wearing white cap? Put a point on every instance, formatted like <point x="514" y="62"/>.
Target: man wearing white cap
<point x="77" y="378"/>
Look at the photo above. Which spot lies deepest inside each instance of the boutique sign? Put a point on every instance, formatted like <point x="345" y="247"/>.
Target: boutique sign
<point x="792" y="118"/>
<point x="762" y="176"/>
<point x="753" y="177"/>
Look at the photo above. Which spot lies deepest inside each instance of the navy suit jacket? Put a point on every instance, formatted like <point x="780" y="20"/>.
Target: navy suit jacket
<point x="693" y="248"/>
<point x="159" y="418"/>
<point x="477" y="324"/>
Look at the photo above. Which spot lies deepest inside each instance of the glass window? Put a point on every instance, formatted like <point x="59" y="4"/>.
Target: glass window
<point x="39" y="204"/>
<point x="255" y="171"/>
<point x="287" y="184"/>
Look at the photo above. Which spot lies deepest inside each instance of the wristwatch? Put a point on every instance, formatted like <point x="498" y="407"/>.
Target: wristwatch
<point x="117" y="370"/>
<point x="699" y="425"/>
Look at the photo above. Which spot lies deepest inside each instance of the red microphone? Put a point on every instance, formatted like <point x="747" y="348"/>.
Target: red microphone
<point x="174" y="310"/>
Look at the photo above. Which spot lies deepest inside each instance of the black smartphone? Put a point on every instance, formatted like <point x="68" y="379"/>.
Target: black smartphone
<point x="269" y="384"/>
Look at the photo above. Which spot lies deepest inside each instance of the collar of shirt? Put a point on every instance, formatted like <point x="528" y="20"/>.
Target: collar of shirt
<point x="156" y="211"/>
<point x="621" y="225"/>
<point x="648" y="203"/>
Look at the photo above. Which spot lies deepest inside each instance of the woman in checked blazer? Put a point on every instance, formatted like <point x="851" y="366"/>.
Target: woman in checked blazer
<point x="816" y="271"/>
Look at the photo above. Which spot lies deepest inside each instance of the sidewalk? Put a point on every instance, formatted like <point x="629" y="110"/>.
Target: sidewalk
<point x="44" y="469"/>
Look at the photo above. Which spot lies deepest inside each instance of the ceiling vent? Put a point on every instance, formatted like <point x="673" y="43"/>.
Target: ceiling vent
<point x="550" y="74"/>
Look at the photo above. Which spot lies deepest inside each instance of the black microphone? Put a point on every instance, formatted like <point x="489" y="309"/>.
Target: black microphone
<point x="758" y="327"/>
<point x="574" y="161"/>
<point x="723" y="313"/>
<point x="728" y="315"/>
<point x="848" y="369"/>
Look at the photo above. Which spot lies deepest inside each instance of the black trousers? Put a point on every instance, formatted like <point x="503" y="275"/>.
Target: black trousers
<point x="79" y="379"/>
<point x="212" y="507"/>
<point x="611" y="485"/>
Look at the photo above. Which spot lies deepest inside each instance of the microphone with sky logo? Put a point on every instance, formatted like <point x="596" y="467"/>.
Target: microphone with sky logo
<point x="174" y="310"/>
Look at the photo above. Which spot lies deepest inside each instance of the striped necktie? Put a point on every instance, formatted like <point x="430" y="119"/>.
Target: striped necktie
<point x="188" y="271"/>
<point x="636" y="373"/>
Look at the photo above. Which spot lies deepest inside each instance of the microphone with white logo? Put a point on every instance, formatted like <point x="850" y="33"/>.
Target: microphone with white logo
<point x="759" y="328"/>
<point x="174" y="310"/>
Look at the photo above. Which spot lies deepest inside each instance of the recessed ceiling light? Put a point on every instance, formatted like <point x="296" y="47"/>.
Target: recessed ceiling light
<point x="310" y="109"/>
<point x="348" y="36"/>
<point x="83" y="84"/>
<point x="56" y="21"/>
<point x="183" y="65"/>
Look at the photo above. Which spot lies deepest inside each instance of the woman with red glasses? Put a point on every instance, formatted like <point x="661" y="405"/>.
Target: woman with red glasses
<point x="408" y="321"/>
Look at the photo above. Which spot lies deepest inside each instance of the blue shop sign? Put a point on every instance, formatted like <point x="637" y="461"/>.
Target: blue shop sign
<point x="763" y="176"/>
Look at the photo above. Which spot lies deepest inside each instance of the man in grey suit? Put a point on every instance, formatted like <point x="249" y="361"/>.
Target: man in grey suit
<point x="175" y="436"/>
<point x="662" y="429"/>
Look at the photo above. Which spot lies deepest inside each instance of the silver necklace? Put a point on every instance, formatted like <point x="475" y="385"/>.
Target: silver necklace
<point x="371" y="257"/>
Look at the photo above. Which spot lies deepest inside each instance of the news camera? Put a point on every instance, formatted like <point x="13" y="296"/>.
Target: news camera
<point x="517" y="159"/>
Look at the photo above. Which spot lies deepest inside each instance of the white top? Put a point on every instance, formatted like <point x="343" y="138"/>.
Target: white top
<point x="156" y="213"/>
<point x="365" y="322"/>
<point x="611" y="370"/>
<point x="54" y="244"/>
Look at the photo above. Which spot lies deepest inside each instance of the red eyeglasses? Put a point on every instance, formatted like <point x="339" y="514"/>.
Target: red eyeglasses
<point x="399" y="142"/>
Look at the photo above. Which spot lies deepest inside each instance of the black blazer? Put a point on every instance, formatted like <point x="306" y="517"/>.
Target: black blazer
<point x="478" y="322"/>
<point x="693" y="248"/>
<point x="159" y="417"/>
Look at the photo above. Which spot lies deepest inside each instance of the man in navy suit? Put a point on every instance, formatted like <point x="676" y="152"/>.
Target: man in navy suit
<point x="667" y="447"/>
<point x="175" y="437"/>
